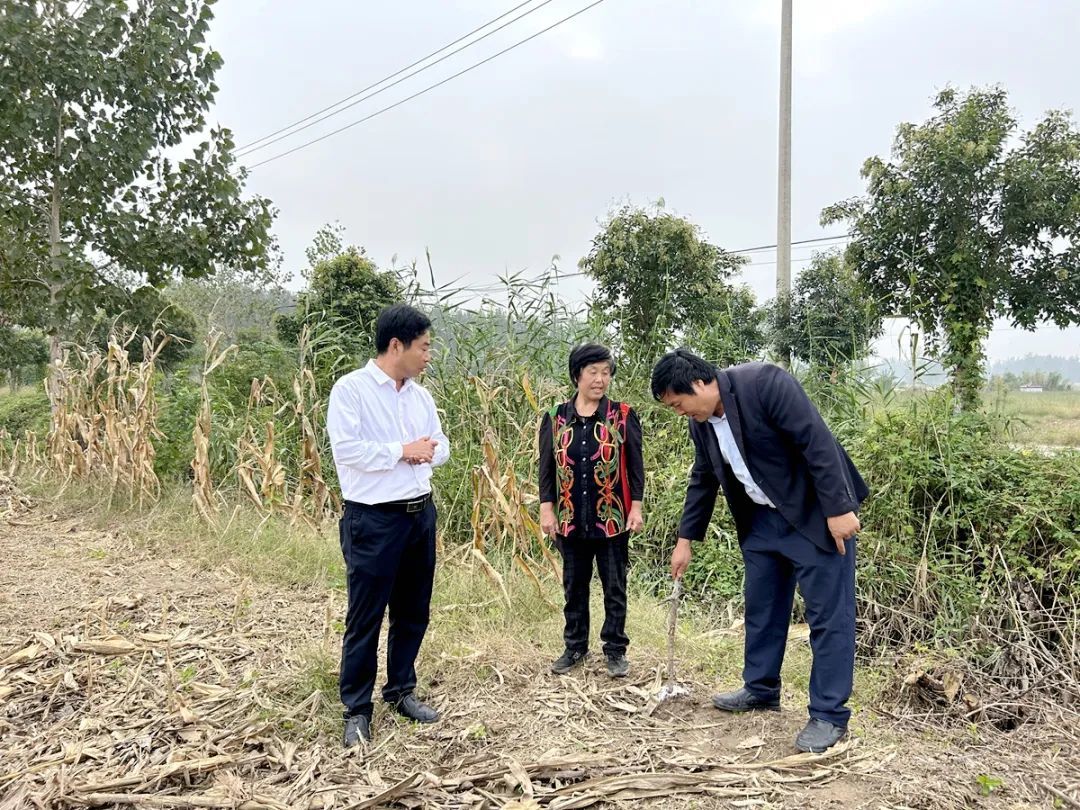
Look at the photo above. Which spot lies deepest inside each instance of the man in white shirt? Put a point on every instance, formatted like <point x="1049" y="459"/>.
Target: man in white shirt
<point x="386" y="438"/>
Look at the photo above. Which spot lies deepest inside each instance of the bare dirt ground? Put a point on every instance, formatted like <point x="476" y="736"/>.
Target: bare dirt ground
<point x="130" y="677"/>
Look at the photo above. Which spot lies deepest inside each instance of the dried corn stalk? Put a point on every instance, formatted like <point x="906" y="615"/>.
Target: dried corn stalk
<point x="104" y="417"/>
<point x="6" y="456"/>
<point x="312" y="500"/>
<point x="203" y="495"/>
<point x="275" y="473"/>
<point x="259" y="471"/>
<point x="500" y="515"/>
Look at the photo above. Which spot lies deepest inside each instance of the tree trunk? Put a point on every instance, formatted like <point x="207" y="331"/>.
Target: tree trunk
<point x="55" y="267"/>
<point x="966" y="360"/>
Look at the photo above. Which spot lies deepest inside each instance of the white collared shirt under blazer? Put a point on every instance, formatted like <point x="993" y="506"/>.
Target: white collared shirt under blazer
<point x="369" y="421"/>
<point x="729" y="449"/>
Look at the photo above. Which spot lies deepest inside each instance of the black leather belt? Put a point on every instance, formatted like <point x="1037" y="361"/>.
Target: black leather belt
<point x="410" y="505"/>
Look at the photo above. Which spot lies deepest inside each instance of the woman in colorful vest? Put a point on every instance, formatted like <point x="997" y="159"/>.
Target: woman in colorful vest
<point x="592" y="480"/>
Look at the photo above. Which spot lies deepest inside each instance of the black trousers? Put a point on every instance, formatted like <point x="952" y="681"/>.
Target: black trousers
<point x="777" y="557"/>
<point x="389" y="562"/>
<point x="612" y="558"/>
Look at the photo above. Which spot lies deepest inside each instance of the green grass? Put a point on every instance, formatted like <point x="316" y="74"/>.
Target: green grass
<point x="269" y="550"/>
<point x="1049" y="418"/>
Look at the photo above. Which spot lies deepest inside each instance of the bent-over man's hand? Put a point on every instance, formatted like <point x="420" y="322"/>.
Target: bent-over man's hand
<point x="680" y="558"/>
<point x="843" y="527"/>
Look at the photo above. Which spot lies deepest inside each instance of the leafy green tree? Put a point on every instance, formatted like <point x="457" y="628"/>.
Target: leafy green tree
<point x="968" y="221"/>
<point x="345" y="292"/>
<point x="1010" y="381"/>
<point x="829" y="320"/>
<point x="735" y="331"/>
<point x="146" y="312"/>
<point x="23" y="355"/>
<point x="1048" y="381"/>
<point x="233" y="303"/>
<point x="657" y="276"/>
<point x="1055" y="382"/>
<point x="96" y="98"/>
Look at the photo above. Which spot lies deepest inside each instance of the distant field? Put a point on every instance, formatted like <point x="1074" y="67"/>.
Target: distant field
<point x="1048" y="418"/>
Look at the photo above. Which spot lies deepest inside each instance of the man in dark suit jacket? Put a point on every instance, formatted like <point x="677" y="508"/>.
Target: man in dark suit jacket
<point x="794" y="494"/>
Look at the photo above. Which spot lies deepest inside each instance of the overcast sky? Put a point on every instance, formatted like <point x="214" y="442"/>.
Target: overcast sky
<point x="515" y="162"/>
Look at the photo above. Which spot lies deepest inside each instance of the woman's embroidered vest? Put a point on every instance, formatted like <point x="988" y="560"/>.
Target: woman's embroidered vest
<point x="609" y="470"/>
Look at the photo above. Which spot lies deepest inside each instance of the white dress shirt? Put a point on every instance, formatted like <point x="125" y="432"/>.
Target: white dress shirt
<point x="369" y="421"/>
<point x="730" y="451"/>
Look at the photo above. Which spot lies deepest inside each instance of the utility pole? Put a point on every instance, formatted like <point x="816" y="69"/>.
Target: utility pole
<point x="783" y="195"/>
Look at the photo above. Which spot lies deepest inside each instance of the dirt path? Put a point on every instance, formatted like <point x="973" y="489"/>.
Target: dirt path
<point x="130" y="677"/>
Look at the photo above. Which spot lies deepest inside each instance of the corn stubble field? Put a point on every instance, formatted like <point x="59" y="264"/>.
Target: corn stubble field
<point x="175" y="645"/>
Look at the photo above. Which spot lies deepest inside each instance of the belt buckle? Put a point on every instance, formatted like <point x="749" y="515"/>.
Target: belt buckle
<point x="414" y="506"/>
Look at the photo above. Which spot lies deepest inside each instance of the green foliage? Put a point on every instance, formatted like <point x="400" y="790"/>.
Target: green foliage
<point x="957" y="228"/>
<point x="95" y="95"/>
<point x="988" y="784"/>
<point x="230" y="387"/>
<point x="1066" y="367"/>
<point x="24" y="410"/>
<point x="240" y="306"/>
<point x="1048" y="381"/>
<point x="345" y="293"/>
<point x="964" y="533"/>
<point x="847" y="395"/>
<point x="23" y="355"/>
<point x="735" y="332"/>
<point x="655" y="275"/>
<point x="178" y="400"/>
<point x="145" y="312"/>
<point x="830" y="319"/>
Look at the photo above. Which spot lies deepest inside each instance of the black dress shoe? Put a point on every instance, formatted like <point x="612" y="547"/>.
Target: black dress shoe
<point x="410" y="706"/>
<point x="742" y="700"/>
<point x="357" y="728"/>
<point x="818" y="736"/>
<point x="567" y="661"/>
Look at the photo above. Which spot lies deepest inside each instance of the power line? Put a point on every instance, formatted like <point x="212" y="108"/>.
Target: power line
<point x="296" y="127"/>
<point x="428" y="88"/>
<point x="499" y="286"/>
<point x="496" y="286"/>
<point x="800" y="242"/>
<point x="995" y="330"/>
<point x="792" y="261"/>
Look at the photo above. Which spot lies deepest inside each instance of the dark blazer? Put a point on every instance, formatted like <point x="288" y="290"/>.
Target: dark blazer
<point x="788" y="449"/>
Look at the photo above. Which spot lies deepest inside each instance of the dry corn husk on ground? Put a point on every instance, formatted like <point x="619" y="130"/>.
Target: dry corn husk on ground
<point x="12" y="501"/>
<point x="130" y="676"/>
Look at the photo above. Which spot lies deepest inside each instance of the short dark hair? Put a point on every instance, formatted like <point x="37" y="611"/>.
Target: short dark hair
<point x="399" y="321"/>
<point x="585" y="355"/>
<point x="677" y="371"/>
